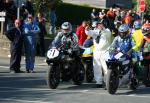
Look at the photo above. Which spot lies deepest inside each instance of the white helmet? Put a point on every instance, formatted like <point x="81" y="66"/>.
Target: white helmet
<point x="66" y="25"/>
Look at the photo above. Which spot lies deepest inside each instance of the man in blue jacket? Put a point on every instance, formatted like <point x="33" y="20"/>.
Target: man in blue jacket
<point x="30" y="32"/>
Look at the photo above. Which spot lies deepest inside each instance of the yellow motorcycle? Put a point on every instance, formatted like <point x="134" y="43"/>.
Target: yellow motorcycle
<point x="87" y="58"/>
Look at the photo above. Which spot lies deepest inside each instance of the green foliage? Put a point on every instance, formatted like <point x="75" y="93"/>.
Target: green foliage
<point x="50" y="4"/>
<point x="148" y="7"/>
<point x="73" y="13"/>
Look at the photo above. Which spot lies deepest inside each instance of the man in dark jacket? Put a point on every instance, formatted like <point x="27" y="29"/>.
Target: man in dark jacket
<point x="41" y="23"/>
<point x="16" y="38"/>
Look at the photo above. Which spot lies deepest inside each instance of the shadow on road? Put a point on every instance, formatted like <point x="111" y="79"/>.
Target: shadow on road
<point x="137" y="92"/>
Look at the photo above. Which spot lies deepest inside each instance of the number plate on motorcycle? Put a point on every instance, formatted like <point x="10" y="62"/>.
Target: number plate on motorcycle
<point x="125" y="62"/>
<point x="117" y="56"/>
<point x="87" y="51"/>
<point x="52" y="53"/>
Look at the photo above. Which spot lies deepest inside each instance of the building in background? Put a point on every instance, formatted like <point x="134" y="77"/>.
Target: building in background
<point x="102" y="3"/>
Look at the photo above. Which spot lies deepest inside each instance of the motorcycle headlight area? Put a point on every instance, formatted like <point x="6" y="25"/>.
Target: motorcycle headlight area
<point x="87" y="51"/>
<point x="52" y="53"/>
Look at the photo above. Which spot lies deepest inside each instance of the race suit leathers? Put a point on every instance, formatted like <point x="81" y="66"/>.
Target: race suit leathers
<point x="69" y="41"/>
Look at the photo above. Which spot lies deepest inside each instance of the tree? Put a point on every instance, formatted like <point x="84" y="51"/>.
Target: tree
<point x="147" y="7"/>
<point x="50" y="3"/>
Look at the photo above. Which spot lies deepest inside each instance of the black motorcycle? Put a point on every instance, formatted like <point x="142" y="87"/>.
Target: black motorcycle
<point x="64" y="64"/>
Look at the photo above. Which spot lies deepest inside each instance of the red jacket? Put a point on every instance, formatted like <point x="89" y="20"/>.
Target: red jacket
<point x="80" y="32"/>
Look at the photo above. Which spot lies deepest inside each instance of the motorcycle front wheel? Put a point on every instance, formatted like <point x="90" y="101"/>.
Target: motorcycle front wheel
<point x="112" y="80"/>
<point x="89" y="72"/>
<point x="53" y="76"/>
<point x="78" y="74"/>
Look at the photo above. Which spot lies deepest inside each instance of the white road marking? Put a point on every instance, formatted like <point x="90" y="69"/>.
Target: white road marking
<point x="25" y="101"/>
<point x="133" y="95"/>
<point x="5" y="67"/>
<point x="37" y="65"/>
<point x="25" y="89"/>
<point x="57" y="91"/>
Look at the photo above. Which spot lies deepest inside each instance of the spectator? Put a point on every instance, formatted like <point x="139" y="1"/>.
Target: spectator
<point x="16" y="37"/>
<point x="52" y="21"/>
<point x="29" y="7"/>
<point x="41" y="23"/>
<point x="30" y="32"/>
<point x="123" y="14"/>
<point x="105" y="20"/>
<point x="102" y="13"/>
<point x="118" y="16"/>
<point x="135" y="16"/>
<point x="111" y="14"/>
<point x="94" y="16"/>
<point x="81" y="33"/>
<point x="128" y="19"/>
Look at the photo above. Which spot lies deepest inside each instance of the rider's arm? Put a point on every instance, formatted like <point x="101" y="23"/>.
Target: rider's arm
<point x="142" y="45"/>
<point x="75" y="42"/>
<point x="57" y="40"/>
<point x="114" y="44"/>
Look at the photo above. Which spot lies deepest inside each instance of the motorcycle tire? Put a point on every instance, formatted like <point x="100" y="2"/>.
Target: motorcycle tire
<point x="53" y="77"/>
<point x="89" y="72"/>
<point x="66" y="76"/>
<point x="145" y="75"/>
<point x="78" y="75"/>
<point x="112" y="80"/>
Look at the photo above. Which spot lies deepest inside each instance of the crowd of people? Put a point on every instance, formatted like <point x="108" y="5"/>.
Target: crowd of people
<point x="26" y="33"/>
<point x="115" y="29"/>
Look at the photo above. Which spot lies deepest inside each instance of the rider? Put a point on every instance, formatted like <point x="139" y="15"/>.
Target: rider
<point x="146" y="38"/>
<point x="137" y="38"/>
<point x="122" y="43"/>
<point x="145" y="47"/>
<point x="66" y="38"/>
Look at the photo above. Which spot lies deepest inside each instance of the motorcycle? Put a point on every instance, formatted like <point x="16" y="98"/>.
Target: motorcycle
<point x="146" y="64"/>
<point x="87" y="58"/>
<point x="63" y="65"/>
<point x="119" y="72"/>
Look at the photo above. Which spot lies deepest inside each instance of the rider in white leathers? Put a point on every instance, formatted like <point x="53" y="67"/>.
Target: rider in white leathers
<point x="102" y="39"/>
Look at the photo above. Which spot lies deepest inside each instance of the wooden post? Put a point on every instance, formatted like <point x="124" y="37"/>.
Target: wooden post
<point x="2" y="20"/>
<point x="2" y="28"/>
